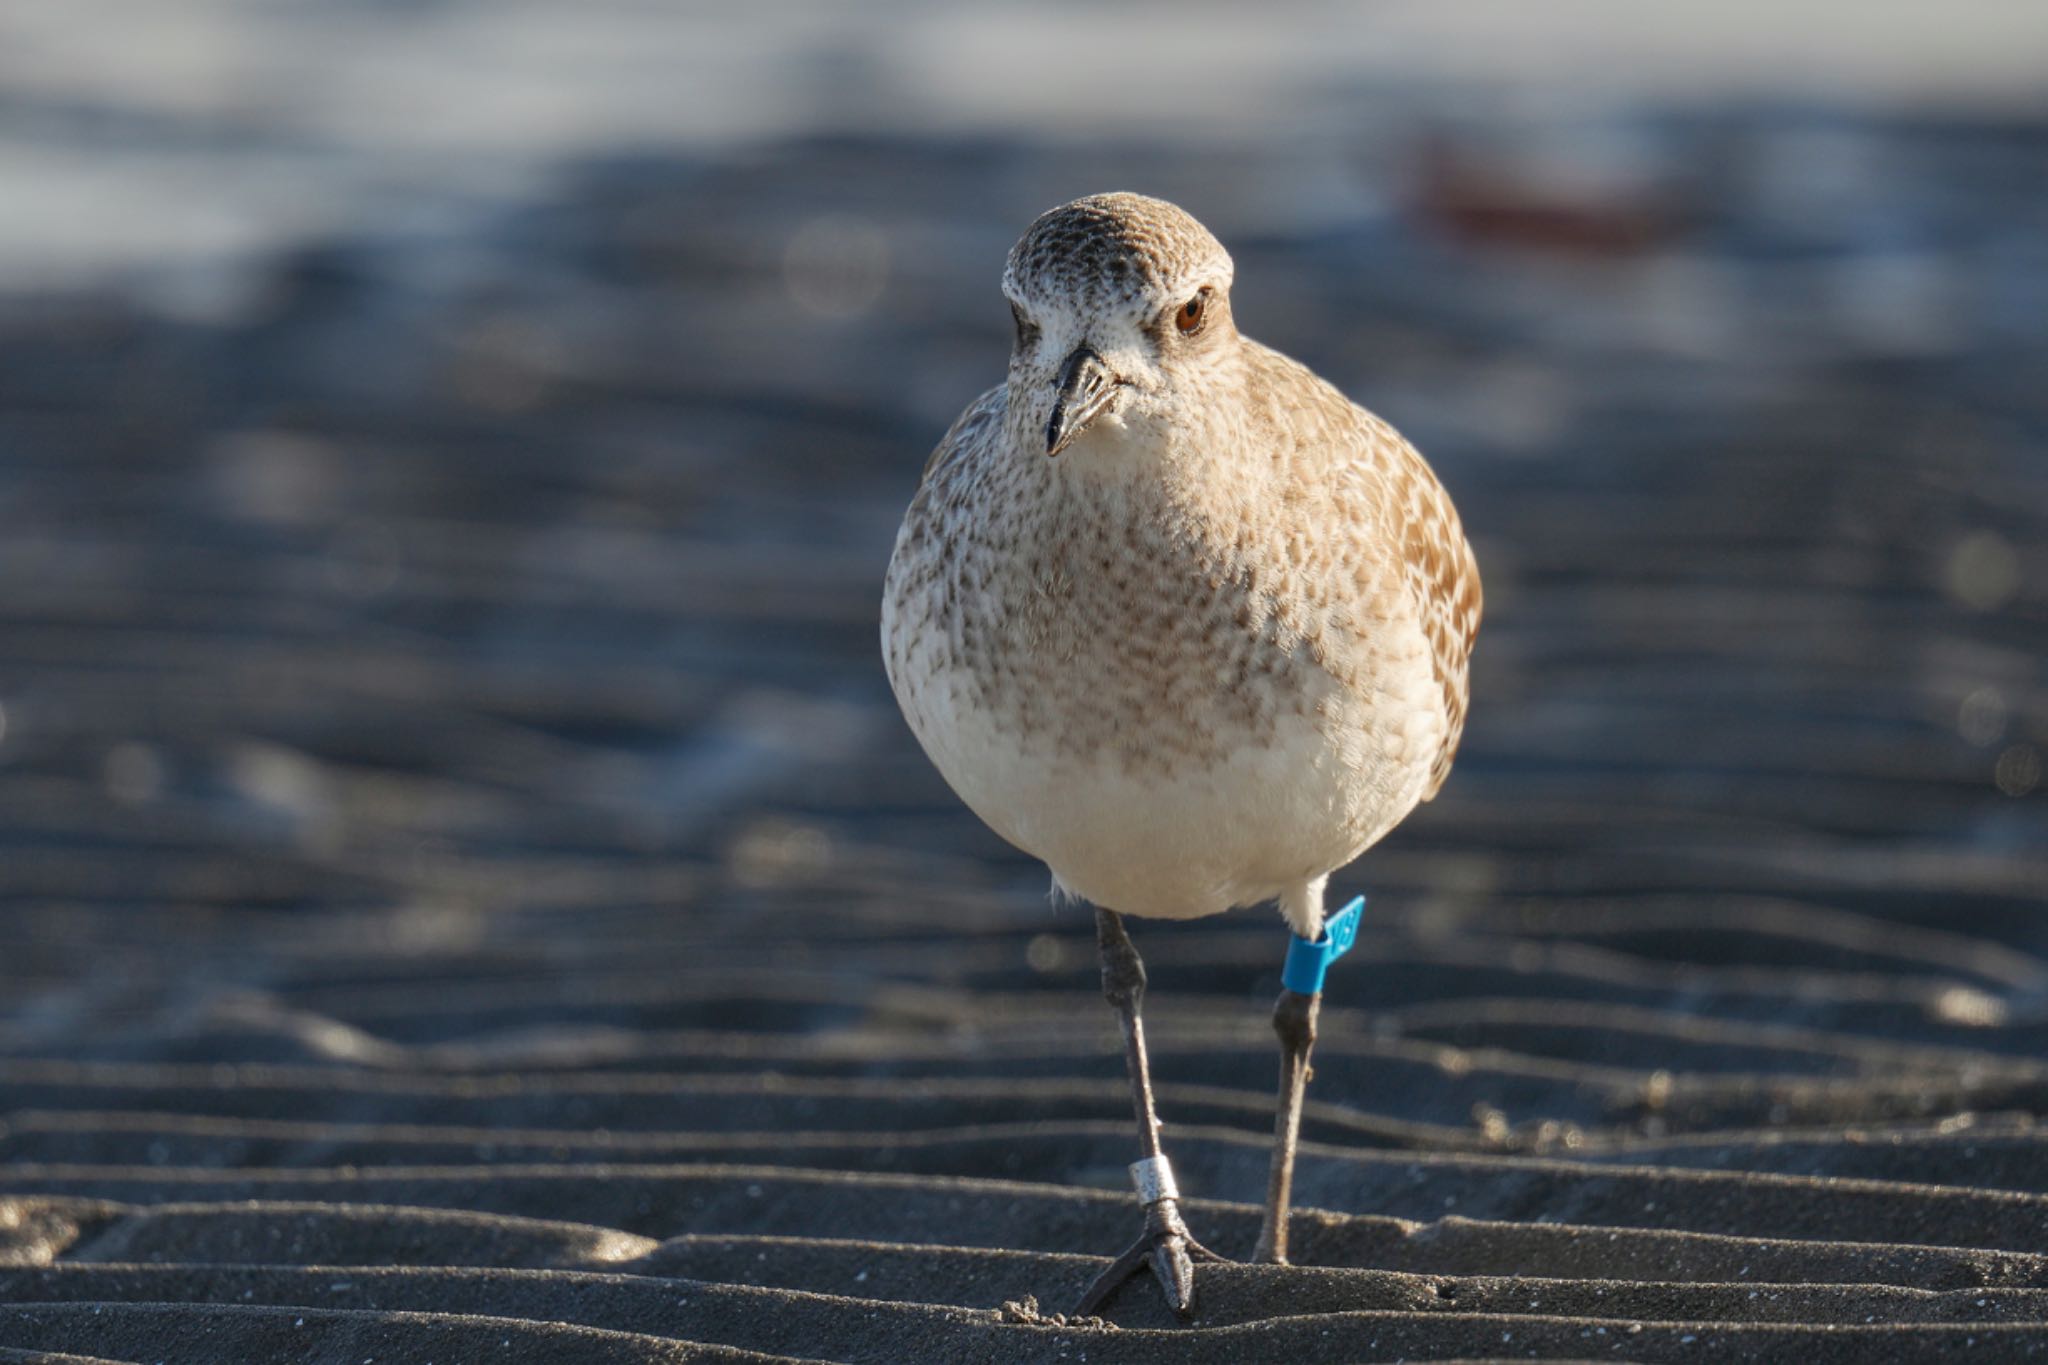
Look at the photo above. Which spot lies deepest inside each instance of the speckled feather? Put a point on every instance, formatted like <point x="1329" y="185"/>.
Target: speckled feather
<point x="1106" y="247"/>
<point x="1216" y="649"/>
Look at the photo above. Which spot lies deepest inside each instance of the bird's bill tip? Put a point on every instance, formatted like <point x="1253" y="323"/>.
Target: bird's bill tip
<point x="1085" y="390"/>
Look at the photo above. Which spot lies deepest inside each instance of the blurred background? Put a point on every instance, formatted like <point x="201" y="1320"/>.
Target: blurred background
<point x="449" y="452"/>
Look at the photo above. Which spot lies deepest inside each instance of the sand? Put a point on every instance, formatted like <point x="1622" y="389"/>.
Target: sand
<point x="465" y="893"/>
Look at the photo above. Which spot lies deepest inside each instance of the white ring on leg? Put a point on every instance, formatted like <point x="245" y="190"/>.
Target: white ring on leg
<point x="1154" y="1178"/>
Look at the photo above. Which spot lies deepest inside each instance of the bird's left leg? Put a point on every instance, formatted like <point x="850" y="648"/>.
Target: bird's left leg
<point x="1166" y="1245"/>
<point x="1294" y="1019"/>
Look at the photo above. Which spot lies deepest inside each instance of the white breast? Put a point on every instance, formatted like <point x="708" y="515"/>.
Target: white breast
<point x="1250" y="817"/>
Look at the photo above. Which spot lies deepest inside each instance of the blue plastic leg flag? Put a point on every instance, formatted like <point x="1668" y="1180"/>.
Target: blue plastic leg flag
<point x="1307" y="962"/>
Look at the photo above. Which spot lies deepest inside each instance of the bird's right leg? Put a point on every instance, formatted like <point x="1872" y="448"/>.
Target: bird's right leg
<point x="1166" y="1245"/>
<point x="1294" y="1019"/>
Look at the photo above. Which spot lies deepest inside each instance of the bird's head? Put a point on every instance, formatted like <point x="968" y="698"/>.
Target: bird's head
<point x="1123" y="316"/>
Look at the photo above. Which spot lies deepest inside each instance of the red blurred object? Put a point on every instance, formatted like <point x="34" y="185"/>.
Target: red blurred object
<point x="1481" y="195"/>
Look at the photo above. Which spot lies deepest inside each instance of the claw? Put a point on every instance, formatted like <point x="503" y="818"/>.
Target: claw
<point x="1171" y="1252"/>
<point x="1176" y="1275"/>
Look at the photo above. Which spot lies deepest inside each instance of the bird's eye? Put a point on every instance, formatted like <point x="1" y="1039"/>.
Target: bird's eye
<point x="1191" y="313"/>
<point x="1027" y="331"/>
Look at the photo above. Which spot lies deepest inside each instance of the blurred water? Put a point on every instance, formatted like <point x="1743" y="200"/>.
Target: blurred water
<point x="136" y="133"/>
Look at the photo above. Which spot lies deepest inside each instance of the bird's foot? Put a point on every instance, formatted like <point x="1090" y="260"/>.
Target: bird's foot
<point x="1168" y="1248"/>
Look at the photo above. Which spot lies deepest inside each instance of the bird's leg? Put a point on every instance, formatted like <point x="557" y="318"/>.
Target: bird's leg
<point x="1294" y="1019"/>
<point x="1166" y="1245"/>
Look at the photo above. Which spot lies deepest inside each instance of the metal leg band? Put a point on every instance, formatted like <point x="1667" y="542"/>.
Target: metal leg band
<point x="1154" y="1178"/>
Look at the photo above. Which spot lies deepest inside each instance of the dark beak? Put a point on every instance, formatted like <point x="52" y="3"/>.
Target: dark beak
<point x="1087" y="387"/>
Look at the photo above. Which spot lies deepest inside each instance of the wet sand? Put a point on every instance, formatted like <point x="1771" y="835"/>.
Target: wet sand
<point x="467" y="894"/>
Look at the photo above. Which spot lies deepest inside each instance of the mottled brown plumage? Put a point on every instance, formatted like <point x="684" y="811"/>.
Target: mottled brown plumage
<point x="1239" y="600"/>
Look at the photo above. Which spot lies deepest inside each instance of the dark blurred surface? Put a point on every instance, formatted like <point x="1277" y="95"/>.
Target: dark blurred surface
<point x="434" y="594"/>
<point x="441" y="667"/>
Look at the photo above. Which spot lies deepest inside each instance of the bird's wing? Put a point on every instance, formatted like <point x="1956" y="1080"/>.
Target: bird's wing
<point x="969" y="427"/>
<point x="1443" y="578"/>
<point x="1386" y="485"/>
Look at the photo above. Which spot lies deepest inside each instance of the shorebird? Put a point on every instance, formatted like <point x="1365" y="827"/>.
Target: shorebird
<point x="1173" y="615"/>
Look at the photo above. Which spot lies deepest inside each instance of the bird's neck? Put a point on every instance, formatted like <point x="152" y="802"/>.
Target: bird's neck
<point x="1178" y="441"/>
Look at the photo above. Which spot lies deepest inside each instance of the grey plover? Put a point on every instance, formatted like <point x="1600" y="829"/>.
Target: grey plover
<point x="1172" y="614"/>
